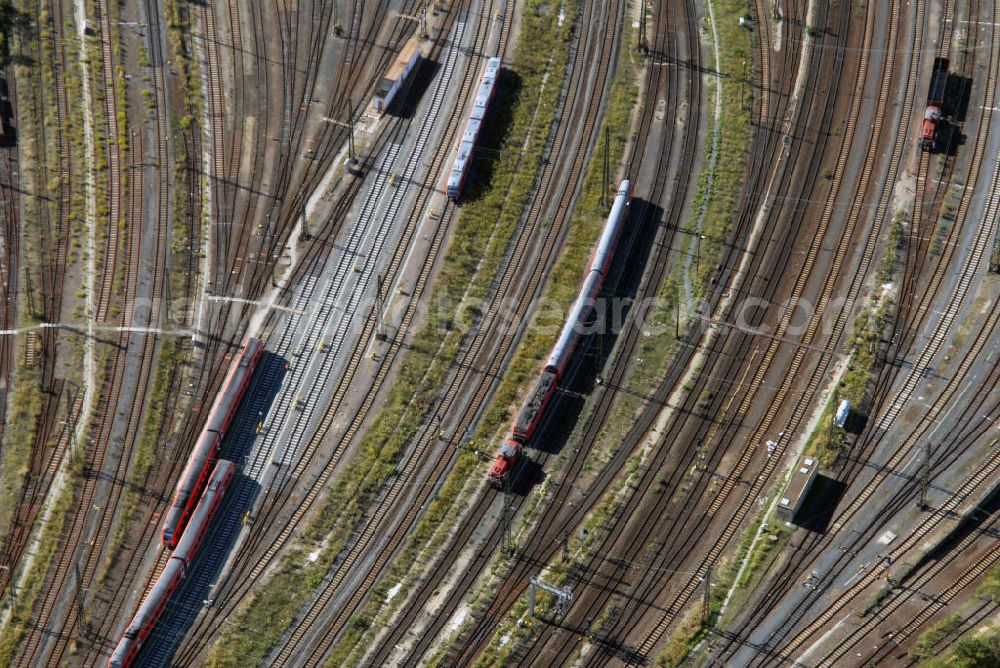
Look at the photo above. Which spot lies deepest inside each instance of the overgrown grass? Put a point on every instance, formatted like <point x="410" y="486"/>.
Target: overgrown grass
<point x="978" y="650"/>
<point x="25" y="393"/>
<point x="513" y="628"/>
<point x="178" y="17"/>
<point x="24" y="606"/>
<point x="19" y="437"/>
<point x="698" y="621"/>
<point x="483" y="231"/>
<point x="719" y="189"/>
<point x="925" y="646"/>
<point x="990" y="588"/>
<point x="890" y="259"/>
<point x="688" y="633"/>
<point x="773" y="538"/>
<point x="186" y="219"/>
<point x="825" y="441"/>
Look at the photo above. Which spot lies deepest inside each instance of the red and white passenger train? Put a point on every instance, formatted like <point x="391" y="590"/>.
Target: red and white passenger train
<point x="533" y="409"/>
<point x="175" y="570"/>
<point x="206" y="450"/>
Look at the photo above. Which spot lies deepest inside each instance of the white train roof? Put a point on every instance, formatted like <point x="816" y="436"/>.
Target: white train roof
<point x="474" y="123"/>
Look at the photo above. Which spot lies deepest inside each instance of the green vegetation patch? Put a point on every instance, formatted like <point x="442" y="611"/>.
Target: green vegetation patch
<point x="178" y="16"/>
<point x="19" y="437"/>
<point x="688" y="633"/>
<point x="990" y="588"/>
<point x="979" y="651"/>
<point x="924" y="647"/>
<point x="24" y="607"/>
<point x="719" y="187"/>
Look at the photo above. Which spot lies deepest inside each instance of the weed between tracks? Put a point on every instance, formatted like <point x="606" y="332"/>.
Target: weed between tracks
<point x="925" y="646"/>
<point x="825" y="442"/>
<point x="484" y="230"/>
<point x="714" y="203"/>
<point x="24" y="607"/>
<point x="719" y="189"/>
<point x="100" y="161"/>
<point x="178" y="17"/>
<point x="980" y="647"/>
<point x="42" y="185"/>
<point x="19" y="435"/>
<point x="991" y="585"/>
<point x="187" y="218"/>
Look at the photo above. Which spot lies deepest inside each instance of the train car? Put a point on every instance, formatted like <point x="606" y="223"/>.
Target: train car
<point x="233" y="388"/>
<point x="593" y="283"/>
<point x="175" y="570"/>
<point x="934" y="113"/>
<point x="397" y="75"/>
<point x="190" y="485"/>
<point x="206" y="449"/>
<point x="505" y="462"/>
<point x="473" y="126"/>
<point x="612" y="233"/>
<point x="534" y="408"/>
<point x="149" y="612"/>
<point x="222" y="475"/>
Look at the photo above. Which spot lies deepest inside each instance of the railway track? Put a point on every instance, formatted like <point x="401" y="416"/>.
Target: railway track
<point x="667" y="619"/>
<point x="972" y="266"/>
<point x="10" y="270"/>
<point x="427" y="437"/>
<point x="913" y="586"/>
<point x="370" y="322"/>
<point x="651" y="282"/>
<point x="944" y="598"/>
<point x="651" y="569"/>
<point x="586" y="502"/>
<point x="616" y="458"/>
<point x="217" y="126"/>
<point x="676" y="40"/>
<point x="151" y="288"/>
<point x="652" y="514"/>
<point x="339" y="396"/>
<point x="74" y="563"/>
<point x="948" y="393"/>
<point x="53" y="233"/>
<point x="106" y="293"/>
<point x="214" y="70"/>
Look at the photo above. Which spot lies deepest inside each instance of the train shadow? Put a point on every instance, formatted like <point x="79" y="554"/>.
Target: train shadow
<point x="818" y="506"/>
<point x="196" y="590"/>
<point x="528" y="474"/>
<point x="496" y="127"/>
<point x="8" y="132"/>
<point x="264" y="389"/>
<point x="958" y="91"/>
<point x="588" y="367"/>
<point x="970" y="523"/>
<point x="405" y="105"/>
